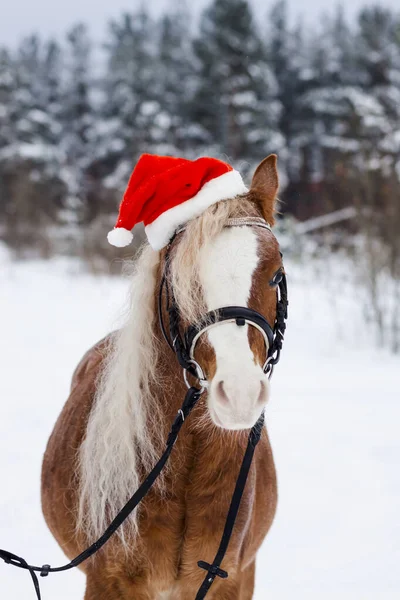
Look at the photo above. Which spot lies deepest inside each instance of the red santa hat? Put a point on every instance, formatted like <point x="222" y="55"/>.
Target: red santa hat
<point x="165" y="192"/>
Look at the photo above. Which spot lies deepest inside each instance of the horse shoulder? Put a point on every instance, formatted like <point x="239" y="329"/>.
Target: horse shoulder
<point x="59" y="469"/>
<point x="90" y="363"/>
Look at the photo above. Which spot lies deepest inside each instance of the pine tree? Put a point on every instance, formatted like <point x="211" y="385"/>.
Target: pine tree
<point x="236" y="102"/>
<point x="319" y="137"/>
<point x="78" y="124"/>
<point x="376" y="34"/>
<point x="7" y="129"/>
<point x="34" y="159"/>
<point x="379" y="62"/>
<point x="51" y="92"/>
<point x="28" y="93"/>
<point x="174" y="82"/>
<point x="280" y="58"/>
<point x="7" y="89"/>
<point x="130" y="103"/>
<point x="36" y="104"/>
<point x="288" y="59"/>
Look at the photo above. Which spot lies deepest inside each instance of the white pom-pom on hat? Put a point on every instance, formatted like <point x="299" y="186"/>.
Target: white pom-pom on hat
<point x="120" y="237"/>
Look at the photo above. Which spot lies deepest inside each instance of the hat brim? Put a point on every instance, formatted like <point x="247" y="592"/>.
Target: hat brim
<point x="226" y="186"/>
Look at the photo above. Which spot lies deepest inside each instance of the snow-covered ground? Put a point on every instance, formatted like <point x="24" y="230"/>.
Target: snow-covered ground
<point x="333" y="420"/>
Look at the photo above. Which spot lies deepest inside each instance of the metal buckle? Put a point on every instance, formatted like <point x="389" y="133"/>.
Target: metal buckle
<point x="270" y="371"/>
<point x="268" y="367"/>
<point x="200" y="376"/>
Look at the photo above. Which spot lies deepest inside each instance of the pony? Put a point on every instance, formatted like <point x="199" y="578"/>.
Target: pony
<point x="125" y="394"/>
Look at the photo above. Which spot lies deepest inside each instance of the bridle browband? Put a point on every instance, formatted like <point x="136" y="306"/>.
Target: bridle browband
<point x="184" y="348"/>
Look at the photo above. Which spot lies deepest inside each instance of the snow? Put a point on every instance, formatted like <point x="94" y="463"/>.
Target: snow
<point x="333" y="422"/>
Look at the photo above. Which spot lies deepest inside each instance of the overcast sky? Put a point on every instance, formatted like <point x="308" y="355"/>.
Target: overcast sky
<point x="53" y="17"/>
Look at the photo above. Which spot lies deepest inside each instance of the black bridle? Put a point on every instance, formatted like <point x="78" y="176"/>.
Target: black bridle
<point x="184" y="344"/>
<point x="184" y="347"/>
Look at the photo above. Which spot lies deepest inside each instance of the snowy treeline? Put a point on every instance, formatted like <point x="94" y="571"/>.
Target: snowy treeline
<point x="74" y="118"/>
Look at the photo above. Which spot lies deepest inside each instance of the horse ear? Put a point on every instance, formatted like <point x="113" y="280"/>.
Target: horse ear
<point x="264" y="187"/>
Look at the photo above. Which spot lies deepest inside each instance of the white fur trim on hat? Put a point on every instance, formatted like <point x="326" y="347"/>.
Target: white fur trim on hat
<point x="161" y="230"/>
<point x="120" y="237"/>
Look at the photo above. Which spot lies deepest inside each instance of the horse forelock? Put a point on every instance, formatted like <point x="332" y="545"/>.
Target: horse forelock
<point x="191" y="248"/>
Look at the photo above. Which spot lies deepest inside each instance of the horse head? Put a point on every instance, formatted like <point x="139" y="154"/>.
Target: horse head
<point x="214" y="264"/>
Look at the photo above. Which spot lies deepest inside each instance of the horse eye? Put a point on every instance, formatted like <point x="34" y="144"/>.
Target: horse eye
<point x="277" y="278"/>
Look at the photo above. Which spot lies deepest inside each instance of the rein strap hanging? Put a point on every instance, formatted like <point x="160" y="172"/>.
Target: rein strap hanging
<point x="214" y="570"/>
<point x="191" y="398"/>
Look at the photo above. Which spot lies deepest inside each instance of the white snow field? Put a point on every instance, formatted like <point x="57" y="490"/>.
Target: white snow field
<point x="334" y="421"/>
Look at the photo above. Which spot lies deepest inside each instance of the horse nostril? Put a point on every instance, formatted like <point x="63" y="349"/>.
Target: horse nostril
<point x="254" y="394"/>
<point x="262" y="396"/>
<point x="222" y="395"/>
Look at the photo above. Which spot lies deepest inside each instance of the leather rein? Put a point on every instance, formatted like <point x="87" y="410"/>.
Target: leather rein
<point x="184" y="346"/>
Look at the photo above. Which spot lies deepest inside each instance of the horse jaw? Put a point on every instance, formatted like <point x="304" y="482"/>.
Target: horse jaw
<point x="239" y="390"/>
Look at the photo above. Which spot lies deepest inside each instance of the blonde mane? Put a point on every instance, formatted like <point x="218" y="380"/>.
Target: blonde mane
<point x="118" y="442"/>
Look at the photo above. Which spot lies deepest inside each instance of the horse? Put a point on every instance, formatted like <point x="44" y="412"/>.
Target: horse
<point x="125" y="393"/>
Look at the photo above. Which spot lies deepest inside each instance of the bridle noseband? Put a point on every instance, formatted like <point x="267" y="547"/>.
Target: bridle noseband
<point x="184" y="347"/>
<point x="184" y="344"/>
